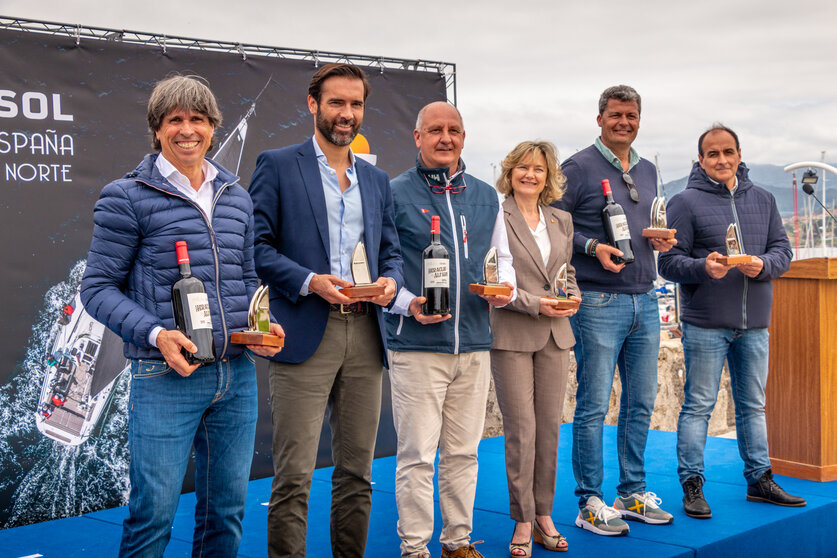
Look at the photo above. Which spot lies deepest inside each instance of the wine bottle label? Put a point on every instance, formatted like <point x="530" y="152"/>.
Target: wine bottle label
<point x="436" y="273"/>
<point x="619" y="224"/>
<point x="199" y="310"/>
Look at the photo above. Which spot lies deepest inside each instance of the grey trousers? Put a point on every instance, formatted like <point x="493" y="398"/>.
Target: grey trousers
<point x="344" y="376"/>
<point x="530" y="389"/>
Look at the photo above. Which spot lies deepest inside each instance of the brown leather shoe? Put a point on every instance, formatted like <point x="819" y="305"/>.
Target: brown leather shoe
<point x="467" y="551"/>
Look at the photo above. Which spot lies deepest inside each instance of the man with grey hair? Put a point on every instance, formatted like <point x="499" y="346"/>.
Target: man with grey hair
<point x="175" y="405"/>
<point x="618" y="321"/>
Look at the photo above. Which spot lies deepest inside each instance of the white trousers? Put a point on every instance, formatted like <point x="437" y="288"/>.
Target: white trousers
<point x="438" y="400"/>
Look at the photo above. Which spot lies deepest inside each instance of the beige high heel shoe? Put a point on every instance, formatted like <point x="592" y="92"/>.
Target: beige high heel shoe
<point x="557" y="543"/>
<point x="524" y="549"/>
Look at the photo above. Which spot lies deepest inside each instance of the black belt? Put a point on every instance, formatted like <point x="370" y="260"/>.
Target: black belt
<point x="361" y="307"/>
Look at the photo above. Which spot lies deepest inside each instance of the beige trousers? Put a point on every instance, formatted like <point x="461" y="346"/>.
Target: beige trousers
<point x="530" y="389"/>
<point x="438" y="400"/>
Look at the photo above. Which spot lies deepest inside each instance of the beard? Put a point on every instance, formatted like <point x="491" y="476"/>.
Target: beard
<point x="326" y="128"/>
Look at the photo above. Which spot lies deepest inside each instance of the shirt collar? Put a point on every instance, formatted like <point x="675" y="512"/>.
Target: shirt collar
<point x="439" y="176"/>
<point x="633" y="156"/>
<point x="322" y="157"/>
<point x="715" y="182"/>
<point x="173" y="175"/>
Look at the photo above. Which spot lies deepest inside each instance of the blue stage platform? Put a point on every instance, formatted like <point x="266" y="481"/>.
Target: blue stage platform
<point x="738" y="528"/>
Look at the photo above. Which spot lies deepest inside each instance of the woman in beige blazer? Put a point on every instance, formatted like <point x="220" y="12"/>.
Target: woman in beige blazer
<point x="532" y="340"/>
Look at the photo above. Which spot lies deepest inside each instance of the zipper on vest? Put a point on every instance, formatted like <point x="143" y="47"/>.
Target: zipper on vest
<point x="458" y="275"/>
<point x="214" y="240"/>
<point x="743" y="251"/>
<point x="464" y="233"/>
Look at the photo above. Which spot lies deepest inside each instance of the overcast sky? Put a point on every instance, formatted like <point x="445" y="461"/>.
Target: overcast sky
<point x="534" y="70"/>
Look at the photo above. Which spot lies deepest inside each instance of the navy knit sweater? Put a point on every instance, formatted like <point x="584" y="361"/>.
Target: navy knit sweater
<point x="584" y="200"/>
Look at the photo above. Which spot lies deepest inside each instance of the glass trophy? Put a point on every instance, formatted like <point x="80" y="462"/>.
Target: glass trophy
<point x="659" y="225"/>
<point x="559" y="296"/>
<point x="363" y="286"/>
<point x="734" y="254"/>
<point x="258" y="320"/>
<point x="491" y="285"/>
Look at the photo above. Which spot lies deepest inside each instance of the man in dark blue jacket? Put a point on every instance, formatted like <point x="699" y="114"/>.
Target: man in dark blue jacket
<point x="175" y="195"/>
<point x="725" y="311"/>
<point x="313" y="203"/>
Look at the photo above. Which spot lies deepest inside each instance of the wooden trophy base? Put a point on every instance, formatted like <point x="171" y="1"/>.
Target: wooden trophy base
<point x="489" y="290"/>
<point x="735" y="260"/>
<point x="257" y="338"/>
<point x="665" y="234"/>
<point x="363" y="291"/>
<point x="563" y="303"/>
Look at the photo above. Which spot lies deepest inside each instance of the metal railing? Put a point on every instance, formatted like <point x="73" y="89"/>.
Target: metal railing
<point x="80" y="32"/>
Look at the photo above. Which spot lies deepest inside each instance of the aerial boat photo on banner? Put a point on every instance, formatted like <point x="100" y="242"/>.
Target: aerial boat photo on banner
<point x="83" y="365"/>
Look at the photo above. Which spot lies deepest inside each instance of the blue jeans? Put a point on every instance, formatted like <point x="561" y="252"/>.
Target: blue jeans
<point x="214" y="409"/>
<point x="613" y="329"/>
<point x="746" y="351"/>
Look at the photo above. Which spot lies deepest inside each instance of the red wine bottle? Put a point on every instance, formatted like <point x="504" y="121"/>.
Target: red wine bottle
<point x="435" y="276"/>
<point x="616" y="227"/>
<point x="191" y="310"/>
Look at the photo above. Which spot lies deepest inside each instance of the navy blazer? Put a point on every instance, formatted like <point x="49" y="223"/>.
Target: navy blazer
<point x="291" y="240"/>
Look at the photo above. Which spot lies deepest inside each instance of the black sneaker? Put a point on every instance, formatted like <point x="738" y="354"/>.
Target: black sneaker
<point x="766" y="490"/>
<point x="694" y="503"/>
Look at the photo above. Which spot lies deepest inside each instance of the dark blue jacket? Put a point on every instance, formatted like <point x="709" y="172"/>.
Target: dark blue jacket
<point x="701" y="214"/>
<point x="473" y="211"/>
<point x="132" y="263"/>
<point x="292" y="241"/>
<point x="584" y="200"/>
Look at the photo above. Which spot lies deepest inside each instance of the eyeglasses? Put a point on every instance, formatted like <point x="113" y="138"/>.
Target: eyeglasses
<point x="629" y="182"/>
<point x="439" y="189"/>
<point x="448" y="188"/>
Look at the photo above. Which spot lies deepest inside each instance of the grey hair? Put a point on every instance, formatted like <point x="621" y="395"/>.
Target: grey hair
<point x="420" y="116"/>
<point x="624" y="93"/>
<point x="185" y="93"/>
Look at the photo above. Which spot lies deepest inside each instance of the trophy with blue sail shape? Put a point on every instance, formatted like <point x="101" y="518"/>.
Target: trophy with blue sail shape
<point x="559" y="296"/>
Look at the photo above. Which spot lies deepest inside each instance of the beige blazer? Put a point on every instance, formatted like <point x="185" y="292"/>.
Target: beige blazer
<point x="518" y="326"/>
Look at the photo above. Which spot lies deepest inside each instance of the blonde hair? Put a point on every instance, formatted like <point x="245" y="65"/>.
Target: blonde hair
<point x="555" y="179"/>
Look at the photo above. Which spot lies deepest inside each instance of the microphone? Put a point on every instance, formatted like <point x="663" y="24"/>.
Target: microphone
<point x="808" y="189"/>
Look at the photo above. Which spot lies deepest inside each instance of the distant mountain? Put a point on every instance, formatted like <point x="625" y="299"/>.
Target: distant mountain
<point x="776" y="181"/>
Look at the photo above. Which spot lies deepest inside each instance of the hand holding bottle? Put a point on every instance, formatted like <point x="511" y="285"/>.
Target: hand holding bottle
<point x="605" y="253"/>
<point x="170" y="342"/>
<point x="416" y="308"/>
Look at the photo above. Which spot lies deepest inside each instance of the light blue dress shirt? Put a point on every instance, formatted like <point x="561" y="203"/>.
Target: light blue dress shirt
<point x="345" y="217"/>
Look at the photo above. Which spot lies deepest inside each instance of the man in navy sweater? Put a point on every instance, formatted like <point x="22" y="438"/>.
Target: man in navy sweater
<point x="618" y="320"/>
<point x="726" y="311"/>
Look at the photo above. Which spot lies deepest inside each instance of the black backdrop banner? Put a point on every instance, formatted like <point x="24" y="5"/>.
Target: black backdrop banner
<point x="72" y="119"/>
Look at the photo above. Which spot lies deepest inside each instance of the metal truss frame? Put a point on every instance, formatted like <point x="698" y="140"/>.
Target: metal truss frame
<point x="381" y="63"/>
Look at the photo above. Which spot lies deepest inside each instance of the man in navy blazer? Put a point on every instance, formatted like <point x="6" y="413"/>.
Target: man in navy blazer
<point x="313" y="203"/>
